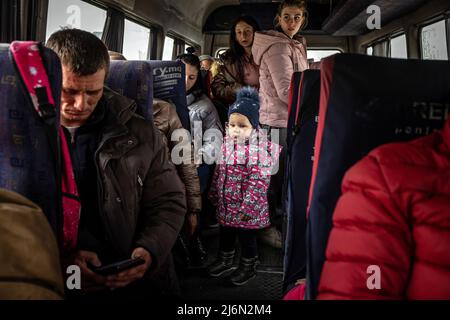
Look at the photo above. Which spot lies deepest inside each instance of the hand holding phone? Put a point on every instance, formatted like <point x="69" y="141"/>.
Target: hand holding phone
<point x="127" y="276"/>
<point x="117" y="267"/>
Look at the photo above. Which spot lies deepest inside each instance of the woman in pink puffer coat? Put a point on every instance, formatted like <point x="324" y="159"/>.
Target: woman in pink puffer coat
<point x="279" y="53"/>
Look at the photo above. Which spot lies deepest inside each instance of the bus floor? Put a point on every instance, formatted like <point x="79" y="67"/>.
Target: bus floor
<point x="197" y="285"/>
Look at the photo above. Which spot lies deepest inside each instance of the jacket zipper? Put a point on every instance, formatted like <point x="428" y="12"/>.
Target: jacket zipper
<point x="140" y="180"/>
<point x="100" y="185"/>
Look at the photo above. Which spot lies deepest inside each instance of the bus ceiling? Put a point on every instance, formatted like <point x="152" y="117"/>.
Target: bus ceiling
<point x="333" y="17"/>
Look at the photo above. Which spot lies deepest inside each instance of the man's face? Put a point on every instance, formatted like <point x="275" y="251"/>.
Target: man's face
<point x="80" y="95"/>
<point x="205" y="64"/>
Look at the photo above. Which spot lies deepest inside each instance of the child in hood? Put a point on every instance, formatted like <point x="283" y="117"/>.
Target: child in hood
<point x="239" y="187"/>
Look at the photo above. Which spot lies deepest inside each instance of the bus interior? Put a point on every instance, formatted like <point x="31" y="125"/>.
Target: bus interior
<point x="161" y="30"/>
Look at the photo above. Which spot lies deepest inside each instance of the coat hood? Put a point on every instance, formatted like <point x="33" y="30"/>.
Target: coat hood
<point x="264" y="40"/>
<point x="121" y="106"/>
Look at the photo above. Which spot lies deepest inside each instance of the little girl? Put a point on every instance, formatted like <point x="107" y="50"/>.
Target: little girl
<point x="239" y="187"/>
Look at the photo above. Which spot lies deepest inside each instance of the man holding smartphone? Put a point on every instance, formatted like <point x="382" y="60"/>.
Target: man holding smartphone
<point x="133" y="202"/>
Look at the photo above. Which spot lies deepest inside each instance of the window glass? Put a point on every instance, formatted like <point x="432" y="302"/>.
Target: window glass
<point x="220" y="52"/>
<point x="135" y="41"/>
<point x="168" y="48"/>
<point x="369" y="51"/>
<point x="74" y="14"/>
<point x="434" y="41"/>
<point x="380" y="49"/>
<point x="398" y="47"/>
<point x="318" y="55"/>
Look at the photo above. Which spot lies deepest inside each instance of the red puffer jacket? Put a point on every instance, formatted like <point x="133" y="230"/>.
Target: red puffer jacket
<point x="395" y="214"/>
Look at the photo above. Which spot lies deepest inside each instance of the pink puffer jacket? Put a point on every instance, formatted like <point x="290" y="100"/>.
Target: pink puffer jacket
<point x="240" y="183"/>
<point x="278" y="57"/>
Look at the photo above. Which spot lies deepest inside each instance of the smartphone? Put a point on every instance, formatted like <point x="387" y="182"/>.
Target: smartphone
<point x="117" y="267"/>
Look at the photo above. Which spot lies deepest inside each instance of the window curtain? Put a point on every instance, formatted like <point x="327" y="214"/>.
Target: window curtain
<point x="114" y="30"/>
<point x="153" y="45"/>
<point x="23" y="20"/>
<point x="178" y="48"/>
<point x="10" y="21"/>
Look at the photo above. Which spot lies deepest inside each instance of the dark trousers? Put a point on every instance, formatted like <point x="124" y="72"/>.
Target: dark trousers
<point x="247" y="239"/>
<point x="204" y="174"/>
<point x="276" y="193"/>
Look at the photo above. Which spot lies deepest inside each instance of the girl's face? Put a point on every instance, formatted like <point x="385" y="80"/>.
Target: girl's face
<point x="191" y="76"/>
<point x="244" y="34"/>
<point x="291" y="19"/>
<point x="239" y="126"/>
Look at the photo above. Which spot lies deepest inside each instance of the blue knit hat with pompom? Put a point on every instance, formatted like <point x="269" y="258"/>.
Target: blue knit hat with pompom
<point x="247" y="104"/>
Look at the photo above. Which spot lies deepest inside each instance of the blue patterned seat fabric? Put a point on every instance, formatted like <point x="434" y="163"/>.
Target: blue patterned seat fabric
<point x="134" y="80"/>
<point x="169" y="84"/>
<point x="28" y="164"/>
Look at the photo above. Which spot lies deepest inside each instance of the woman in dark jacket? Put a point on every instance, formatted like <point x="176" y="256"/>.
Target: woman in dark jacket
<point x="203" y="117"/>
<point x="237" y="68"/>
<point x="188" y="248"/>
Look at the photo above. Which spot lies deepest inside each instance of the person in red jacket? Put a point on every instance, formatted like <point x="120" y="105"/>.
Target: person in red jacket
<point x="391" y="226"/>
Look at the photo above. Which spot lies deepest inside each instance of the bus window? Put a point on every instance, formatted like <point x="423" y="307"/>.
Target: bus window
<point x="74" y="14"/>
<point x="380" y="49"/>
<point x="318" y="55"/>
<point x="434" y="41"/>
<point x="135" y="41"/>
<point x="168" y="48"/>
<point x="398" y="47"/>
<point x="220" y="51"/>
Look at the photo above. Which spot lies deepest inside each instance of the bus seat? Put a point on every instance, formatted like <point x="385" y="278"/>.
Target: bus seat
<point x="169" y="85"/>
<point x="28" y="162"/>
<point x="134" y="80"/>
<point x="366" y="102"/>
<point x="302" y="126"/>
<point x="293" y="103"/>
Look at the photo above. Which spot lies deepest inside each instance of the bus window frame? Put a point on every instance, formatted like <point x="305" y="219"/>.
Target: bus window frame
<point x="96" y="4"/>
<point x="164" y="45"/>
<point x="176" y="37"/>
<point x="447" y="28"/>
<point x="224" y="49"/>
<point x="386" y="41"/>
<point x="325" y="49"/>
<point x="396" y="35"/>
<point x="384" y="44"/>
<point x="374" y="45"/>
<point x="442" y="17"/>
<point x="189" y="44"/>
<point x="142" y="23"/>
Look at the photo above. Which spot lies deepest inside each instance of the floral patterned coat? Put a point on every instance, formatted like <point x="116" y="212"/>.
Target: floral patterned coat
<point x="241" y="180"/>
